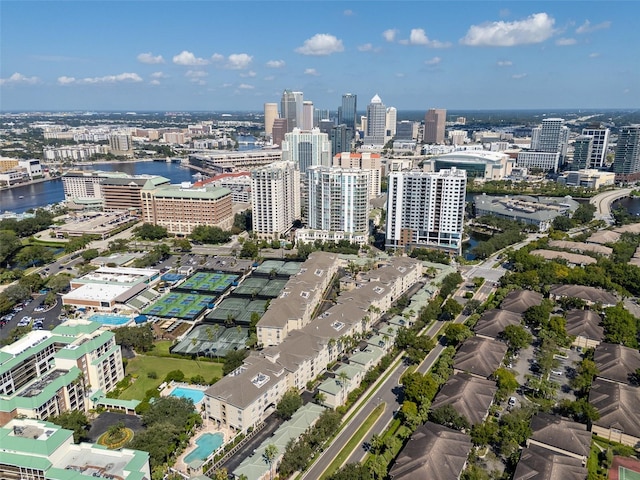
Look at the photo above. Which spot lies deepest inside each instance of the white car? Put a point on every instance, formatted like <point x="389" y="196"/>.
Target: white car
<point x="556" y="372"/>
<point x="513" y="401"/>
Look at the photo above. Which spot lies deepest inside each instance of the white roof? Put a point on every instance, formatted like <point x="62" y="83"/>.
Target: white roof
<point x="99" y="292"/>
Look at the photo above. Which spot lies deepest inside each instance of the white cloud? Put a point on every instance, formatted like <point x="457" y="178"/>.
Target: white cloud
<point x="594" y="55"/>
<point x="150" y="59"/>
<point x="244" y="86"/>
<point x="321" y="44"/>
<point x="504" y="63"/>
<point x="311" y="71"/>
<point x="158" y="75"/>
<point x="154" y="82"/>
<point x="563" y="42"/>
<point x="390" y="34"/>
<point x="66" y="80"/>
<point x="626" y="90"/>
<point x="196" y="74"/>
<point x="250" y="73"/>
<point x="238" y="61"/>
<point x="400" y="75"/>
<point x="107" y="79"/>
<point x="269" y="78"/>
<point x="418" y="37"/>
<point x="367" y="47"/>
<point x="18" y="78"/>
<point x="518" y="76"/>
<point x="227" y="85"/>
<point x="534" y="29"/>
<point x="433" y="61"/>
<point x="188" y="59"/>
<point x="586" y="27"/>
<point x="276" y="63"/>
<point x="348" y="13"/>
<point x="216" y="57"/>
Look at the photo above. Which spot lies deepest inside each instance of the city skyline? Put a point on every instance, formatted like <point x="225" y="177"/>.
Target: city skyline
<point x="213" y="56"/>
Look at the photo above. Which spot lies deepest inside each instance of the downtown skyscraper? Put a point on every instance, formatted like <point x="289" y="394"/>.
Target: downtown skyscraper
<point x="291" y="109"/>
<point x="626" y="163"/>
<point x="347" y="112"/>
<point x="375" y="133"/>
<point x="434" y="125"/>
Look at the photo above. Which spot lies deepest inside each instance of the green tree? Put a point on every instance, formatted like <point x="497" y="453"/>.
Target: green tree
<point x="149" y="231"/>
<point x="74" y="420"/>
<point x="506" y="382"/>
<point x="289" y="404"/>
<point x="562" y="223"/>
<point x="517" y="337"/>
<point x="456" y="333"/>
<point x="448" y="416"/>
<point x="419" y="388"/>
<point x="9" y="244"/>
<point x="584" y="213"/>
<point x="59" y="283"/>
<point x="34" y="255"/>
<point x="233" y="360"/>
<point x="620" y="326"/>
<point x="249" y="250"/>
<point x="90" y="254"/>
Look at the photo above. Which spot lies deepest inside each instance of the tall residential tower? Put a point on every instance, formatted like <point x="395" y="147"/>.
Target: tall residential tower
<point x="426" y="209"/>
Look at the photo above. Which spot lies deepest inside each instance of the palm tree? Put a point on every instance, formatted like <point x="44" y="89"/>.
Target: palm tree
<point x="269" y="456"/>
<point x="343" y="378"/>
<point x="320" y="398"/>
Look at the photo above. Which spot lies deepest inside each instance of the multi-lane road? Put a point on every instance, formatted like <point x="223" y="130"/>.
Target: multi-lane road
<point x="603" y="202"/>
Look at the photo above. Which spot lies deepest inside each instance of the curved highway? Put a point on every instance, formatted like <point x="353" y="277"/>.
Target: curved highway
<point x="603" y="202"/>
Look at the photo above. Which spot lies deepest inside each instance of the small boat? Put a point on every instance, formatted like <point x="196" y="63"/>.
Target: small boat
<point x="21" y="196"/>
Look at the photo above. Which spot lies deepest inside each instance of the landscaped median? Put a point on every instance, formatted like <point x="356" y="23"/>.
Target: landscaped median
<point x="355" y="440"/>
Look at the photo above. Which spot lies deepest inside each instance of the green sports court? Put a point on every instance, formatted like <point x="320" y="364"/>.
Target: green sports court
<point x="208" y="282"/>
<point x="212" y="341"/>
<point x="238" y="309"/>
<point x="186" y="306"/>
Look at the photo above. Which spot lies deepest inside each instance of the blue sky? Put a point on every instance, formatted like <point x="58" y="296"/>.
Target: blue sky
<point x="224" y="55"/>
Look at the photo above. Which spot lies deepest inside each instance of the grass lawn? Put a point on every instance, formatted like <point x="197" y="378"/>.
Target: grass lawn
<point x="355" y="440"/>
<point x="161" y="348"/>
<point x="141" y="365"/>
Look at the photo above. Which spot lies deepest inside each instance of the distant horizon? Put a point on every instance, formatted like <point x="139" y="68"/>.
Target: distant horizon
<point x="235" y="56"/>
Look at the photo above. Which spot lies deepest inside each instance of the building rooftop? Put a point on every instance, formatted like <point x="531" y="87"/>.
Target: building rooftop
<point x="493" y="322"/>
<point x="470" y="396"/>
<point x="518" y="301"/>
<point x="584" y="323"/>
<point x="433" y="451"/>
<point x="539" y="463"/>
<point x="480" y="356"/>
<point x="588" y="294"/>
<point x="555" y="433"/>
<point x="616" y="362"/>
<point x="618" y="406"/>
<point x="572" y="258"/>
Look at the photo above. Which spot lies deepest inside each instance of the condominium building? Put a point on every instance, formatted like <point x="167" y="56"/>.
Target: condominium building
<point x="375" y="133"/>
<point x="299" y="348"/>
<point x="365" y="161"/>
<point x="434" y="125"/>
<point x="338" y="199"/>
<point x="599" y="148"/>
<point x="37" y="450"/>
<point x="181" y="208"/>
<point x="275" y="198"/>
<point x="121" y="144"/>
<point x="291" y="109"/>
<point x="46" y="373"/>
<point x="270" y="114"/>
<point x="347" y="113"/>
<point x="540" y="160"/>
<point x="426" y="209"/>
<point x="306" y="148"/>
<point x="74" y="152"/>
<point x="626" y="163"/>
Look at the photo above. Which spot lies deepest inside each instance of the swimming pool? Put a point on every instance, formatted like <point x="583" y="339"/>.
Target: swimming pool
<point x="109" y="319"/>
<point x="195" y="395"/>
<point x="207" y="444"/>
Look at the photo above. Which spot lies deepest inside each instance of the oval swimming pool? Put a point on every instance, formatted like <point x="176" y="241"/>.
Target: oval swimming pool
<point x="195" y="395"/>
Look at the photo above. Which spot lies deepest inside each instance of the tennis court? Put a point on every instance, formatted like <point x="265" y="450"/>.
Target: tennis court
<point x="180" y="305"/>
<point x="239" y="309"/>
<point x="260" y="287"/>
<point x="208" y="282"/>
<point x="278" y="268"/>
<point x="212" y="341"/>
<point x="626" y="474"/>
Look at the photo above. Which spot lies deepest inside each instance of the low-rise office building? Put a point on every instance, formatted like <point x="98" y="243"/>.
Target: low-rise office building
<point x="181" y="208"/>
<point x="479" y="164"/>
<point x="107" y="288"/>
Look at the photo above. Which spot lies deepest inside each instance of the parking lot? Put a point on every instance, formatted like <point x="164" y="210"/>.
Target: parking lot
<point x="49" y="317"/>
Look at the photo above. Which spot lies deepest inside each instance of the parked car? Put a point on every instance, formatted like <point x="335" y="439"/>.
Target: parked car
<point x="556" y="372"/>
<point x="513" y="401"/>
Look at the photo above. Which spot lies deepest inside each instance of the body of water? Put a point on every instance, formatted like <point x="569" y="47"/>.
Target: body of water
<point x="20" y="199"/>
<point x="631" y="204"/>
